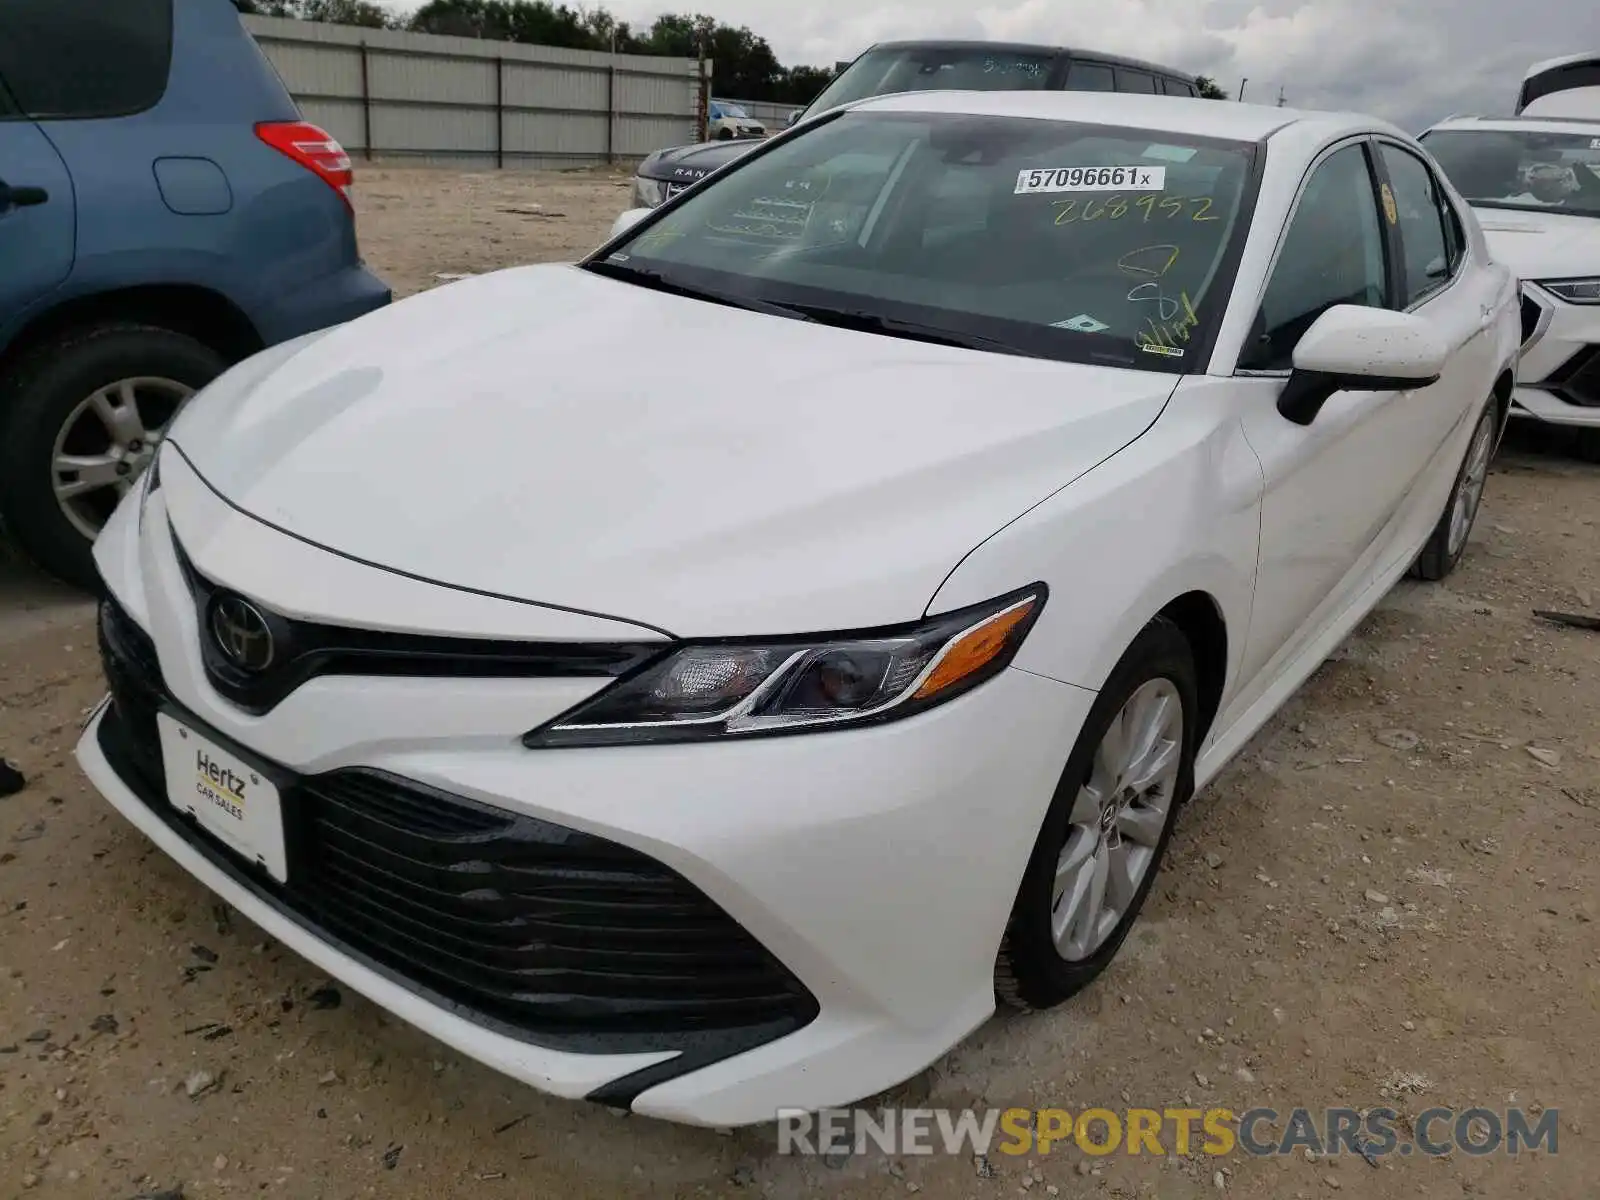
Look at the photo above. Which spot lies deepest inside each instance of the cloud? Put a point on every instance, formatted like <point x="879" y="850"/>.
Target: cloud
<point x="1412" y="61"/>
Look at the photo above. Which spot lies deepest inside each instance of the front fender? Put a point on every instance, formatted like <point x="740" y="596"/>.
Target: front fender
<point x="1176" y="511"/>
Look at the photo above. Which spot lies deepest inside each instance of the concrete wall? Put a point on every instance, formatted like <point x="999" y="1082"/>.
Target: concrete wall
<point x="464" y="102"/>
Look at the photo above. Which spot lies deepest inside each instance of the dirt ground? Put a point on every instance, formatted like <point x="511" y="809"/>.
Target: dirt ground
<point x="1389" y="898"/>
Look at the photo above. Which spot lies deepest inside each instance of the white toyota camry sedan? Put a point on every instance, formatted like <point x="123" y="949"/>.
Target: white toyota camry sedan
<point x="713" y="744"/>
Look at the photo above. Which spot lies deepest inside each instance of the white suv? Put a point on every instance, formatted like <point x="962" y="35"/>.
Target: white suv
<point x="1535" y="184"/>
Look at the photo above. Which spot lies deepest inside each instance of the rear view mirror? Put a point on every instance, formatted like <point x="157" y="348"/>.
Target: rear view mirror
<point x="1354" y="348"/>
<point x="628" y="220"/>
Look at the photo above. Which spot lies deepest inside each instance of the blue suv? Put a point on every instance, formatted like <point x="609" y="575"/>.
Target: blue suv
<point x="165" y="211"/>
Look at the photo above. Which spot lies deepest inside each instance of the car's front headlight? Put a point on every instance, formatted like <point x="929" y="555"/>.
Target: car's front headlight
<point x="647" y="193"/>
<point x="1574" y="291"/>
<point x="740" y="689"/>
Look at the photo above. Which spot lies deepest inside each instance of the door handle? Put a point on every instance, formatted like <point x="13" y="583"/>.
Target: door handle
<point x="21" y="197"/>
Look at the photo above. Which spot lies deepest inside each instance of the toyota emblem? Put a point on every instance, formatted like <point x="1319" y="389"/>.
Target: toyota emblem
<point x="241" y="632"/>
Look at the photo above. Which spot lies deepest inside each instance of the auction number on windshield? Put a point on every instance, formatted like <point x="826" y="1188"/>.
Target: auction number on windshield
<point x="1090" y="179"/>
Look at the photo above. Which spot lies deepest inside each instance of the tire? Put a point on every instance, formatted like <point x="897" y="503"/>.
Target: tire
<point x="45" y="405"/>
<point x="1031" y="971"/>
<point x="1448" y="542"/>
<point x="724" y="134"/>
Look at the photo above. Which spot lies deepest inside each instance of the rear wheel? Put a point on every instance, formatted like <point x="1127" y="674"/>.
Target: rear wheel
<point x="81" y="418"/>
<point x="1448" y="541"/>
<point x="1102" y="842"/>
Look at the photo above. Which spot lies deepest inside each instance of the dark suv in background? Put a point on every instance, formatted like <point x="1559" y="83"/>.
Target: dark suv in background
<point x="890" y="67"/>
<point x="164" y="213"/>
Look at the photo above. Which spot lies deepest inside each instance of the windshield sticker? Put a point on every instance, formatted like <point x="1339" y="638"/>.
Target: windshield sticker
<point x="1140" y="208"/>
<point x="1390" y="211"/>
<point x="1158" y="348"/>
<point x="1082" y="323"/>
<point x="1090" y="179"/>
<point x="1594" y="143"/>
<point x="1177" y="154"/>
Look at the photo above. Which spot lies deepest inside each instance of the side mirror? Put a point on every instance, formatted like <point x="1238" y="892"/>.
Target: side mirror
<point x="1354" y="348"/>
<point x="793" y="117"/>
<point x="628" y="220"/>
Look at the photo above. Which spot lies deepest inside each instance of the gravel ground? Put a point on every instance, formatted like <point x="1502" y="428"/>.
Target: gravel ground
<point x="1389" y="898"/>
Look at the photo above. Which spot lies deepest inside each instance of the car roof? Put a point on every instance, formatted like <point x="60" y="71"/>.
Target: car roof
<point x="1032" y="48"/>
<point x="1175" y="114"/>
<point x="1581" y="125"/>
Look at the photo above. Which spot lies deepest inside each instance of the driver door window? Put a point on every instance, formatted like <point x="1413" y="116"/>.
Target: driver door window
<point x="1332" y="253"/>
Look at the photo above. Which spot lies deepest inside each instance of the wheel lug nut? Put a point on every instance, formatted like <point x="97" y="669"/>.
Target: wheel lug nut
<point x="136" y="445"/>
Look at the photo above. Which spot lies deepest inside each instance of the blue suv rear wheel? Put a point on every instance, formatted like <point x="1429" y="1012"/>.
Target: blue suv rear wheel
<point x="80" y="418"/>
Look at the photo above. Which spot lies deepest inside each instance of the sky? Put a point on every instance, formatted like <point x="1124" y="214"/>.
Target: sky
<point x="1410" y="61"/>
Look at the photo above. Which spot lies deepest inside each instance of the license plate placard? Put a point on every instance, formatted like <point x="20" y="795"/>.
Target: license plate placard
<point x="228" y="797"/>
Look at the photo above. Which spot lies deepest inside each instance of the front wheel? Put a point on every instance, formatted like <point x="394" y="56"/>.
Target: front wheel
<point x="1448" y="542"/>
<point x="1101" y="845"/>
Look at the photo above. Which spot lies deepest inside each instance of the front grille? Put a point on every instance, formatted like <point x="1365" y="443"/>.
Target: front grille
<point x="133" y="675"/>
<point x="542" y="932"/>
<point x="1577" y="380"/>
<point x="305" y="650"/>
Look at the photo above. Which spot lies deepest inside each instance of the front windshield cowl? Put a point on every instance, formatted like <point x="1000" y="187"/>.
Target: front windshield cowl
<point x="1076" y="242"/>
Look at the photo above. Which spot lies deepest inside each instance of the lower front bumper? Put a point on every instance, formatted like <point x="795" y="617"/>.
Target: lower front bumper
<point x="1540" y="404"/>
<point x="878" y="866"/>
<point x="562" y="1074"/>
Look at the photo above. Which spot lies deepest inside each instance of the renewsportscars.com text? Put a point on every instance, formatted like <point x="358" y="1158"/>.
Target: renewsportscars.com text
<point x="1217" y="1132"/>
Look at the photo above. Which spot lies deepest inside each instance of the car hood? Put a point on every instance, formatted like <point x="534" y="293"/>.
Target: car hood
<point x="1542" y="245"/>
<point x="540" y="433"/>
<point x="689" y="164"/>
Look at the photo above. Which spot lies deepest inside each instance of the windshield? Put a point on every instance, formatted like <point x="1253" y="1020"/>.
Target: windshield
<point x="1078" y="242"/>
<point x="935" y="68"/>
<point x="1523" y="168"/>
<point x="731" y="110"/>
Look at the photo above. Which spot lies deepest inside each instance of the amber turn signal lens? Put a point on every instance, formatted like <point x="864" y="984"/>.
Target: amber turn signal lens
<point x="975" y="649"/>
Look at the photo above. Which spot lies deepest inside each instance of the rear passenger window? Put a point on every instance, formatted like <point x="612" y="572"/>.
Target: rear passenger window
<point x="1136" y="81"/>
<point x="1090" y="77"/>
<point x="76" y="59"/>
<point x="1418" y="209"/>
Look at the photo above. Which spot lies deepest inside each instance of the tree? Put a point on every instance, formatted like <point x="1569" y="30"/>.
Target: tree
<point x="802" y="85"/>
<point x="1208" y="89"/>
<point x="745" y="65"/>
<point x="366" y="13"/>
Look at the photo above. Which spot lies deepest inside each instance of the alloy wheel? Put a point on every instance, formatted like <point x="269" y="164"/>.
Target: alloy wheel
<point x="107" y="443"/>
<point x="1117" y="820"/>
<point x="1469" y="493"/>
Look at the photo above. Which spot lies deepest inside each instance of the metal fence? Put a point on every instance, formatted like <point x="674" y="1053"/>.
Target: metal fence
<point x="462" y="102"/>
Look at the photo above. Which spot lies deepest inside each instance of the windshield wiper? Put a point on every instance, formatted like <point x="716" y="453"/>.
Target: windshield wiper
<point x="893" y="327"/>
<point x="656" y="281"/>
<point x="869" y="322"/>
